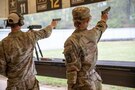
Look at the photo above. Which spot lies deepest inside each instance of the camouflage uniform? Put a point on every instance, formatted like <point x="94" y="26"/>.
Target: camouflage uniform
<point x="16" y="58"/>
<point x="80" y="51"/>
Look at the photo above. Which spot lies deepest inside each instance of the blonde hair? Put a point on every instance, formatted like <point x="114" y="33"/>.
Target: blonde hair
<point x="78" y="23"/>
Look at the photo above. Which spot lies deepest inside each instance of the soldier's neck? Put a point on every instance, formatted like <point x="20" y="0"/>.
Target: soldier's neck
<point x="15" y="29"/>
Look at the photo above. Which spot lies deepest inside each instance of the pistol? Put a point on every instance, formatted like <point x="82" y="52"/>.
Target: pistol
<point x="56" y="19"/>
<point x="106" y="10"/>
<point x="34" y="27"/>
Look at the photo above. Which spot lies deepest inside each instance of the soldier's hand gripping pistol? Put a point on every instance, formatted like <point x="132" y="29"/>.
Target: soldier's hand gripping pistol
<point x="104" y="18"/>
<point x="56" y="19"/>
<point x="106" y="10"/>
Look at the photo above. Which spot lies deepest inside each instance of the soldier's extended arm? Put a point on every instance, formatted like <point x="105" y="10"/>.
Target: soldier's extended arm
<point x="98" y="30"/>
<point x="31" y="27"/>
<point x="101" y="25"/>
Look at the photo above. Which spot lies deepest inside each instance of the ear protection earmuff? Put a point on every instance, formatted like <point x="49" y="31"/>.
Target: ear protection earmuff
<point x="21" y="20"/>
<point x="15" y="18"/>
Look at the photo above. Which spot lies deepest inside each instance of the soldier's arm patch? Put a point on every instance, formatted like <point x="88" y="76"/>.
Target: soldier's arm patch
<point x="67" y="54"/>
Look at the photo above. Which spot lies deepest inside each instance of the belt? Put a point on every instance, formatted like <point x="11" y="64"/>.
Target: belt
<point x="86" y="73"/>
<point x="91" y="72"/>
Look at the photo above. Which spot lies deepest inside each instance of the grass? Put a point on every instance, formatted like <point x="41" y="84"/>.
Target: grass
<point x="52" y="81"/>
<point x="63" y="83"/>
<point x="53" y="53"/>
<point x="118" y="51"/>
<point x="122" y="51"/>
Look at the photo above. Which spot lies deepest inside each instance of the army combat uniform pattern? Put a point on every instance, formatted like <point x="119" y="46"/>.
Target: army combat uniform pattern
<point x="16" y="58"/>
<point x="80" y="51"/>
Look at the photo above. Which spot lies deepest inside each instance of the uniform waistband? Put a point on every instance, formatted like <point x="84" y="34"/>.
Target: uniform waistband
<point x="91" y="72"/>
<point x="85" y="74"/>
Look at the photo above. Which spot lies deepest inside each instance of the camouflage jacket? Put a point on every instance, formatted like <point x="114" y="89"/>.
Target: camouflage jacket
<point x="80" y="51"/>
<point x="16" y="53"/>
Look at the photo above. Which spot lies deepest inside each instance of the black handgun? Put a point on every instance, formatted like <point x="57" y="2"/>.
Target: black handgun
<point x="106" y="10"/>
<point x="56" y="19"/>
<point x="34" y="27"/>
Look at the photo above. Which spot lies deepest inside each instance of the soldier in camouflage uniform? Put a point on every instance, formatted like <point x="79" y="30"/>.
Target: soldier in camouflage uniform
<point x="80" y="51"/>
<point x="16" y="54"/>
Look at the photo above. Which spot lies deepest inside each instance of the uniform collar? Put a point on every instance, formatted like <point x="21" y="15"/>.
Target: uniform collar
<point x="79" y="30"/>
<point x="15" y="33"/>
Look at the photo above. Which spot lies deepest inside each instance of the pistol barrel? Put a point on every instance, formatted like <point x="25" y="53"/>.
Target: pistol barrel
<point x="106" y="10"/>
<point x="56" y="19"/>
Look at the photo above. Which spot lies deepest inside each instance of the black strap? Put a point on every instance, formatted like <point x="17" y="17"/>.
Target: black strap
<point x="100" y="36"/>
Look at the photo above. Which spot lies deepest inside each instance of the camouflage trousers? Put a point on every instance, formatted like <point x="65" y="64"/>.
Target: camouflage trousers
<point x="28" y="84"/>
<point x="92" y="82"/>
